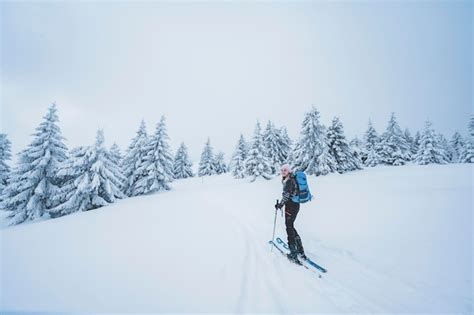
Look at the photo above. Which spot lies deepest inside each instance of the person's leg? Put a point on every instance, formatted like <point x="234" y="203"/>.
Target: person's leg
<point x="298" y="243"/>
<point x="291" y="210"/>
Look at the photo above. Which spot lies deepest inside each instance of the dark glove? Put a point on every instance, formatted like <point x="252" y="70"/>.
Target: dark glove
<point x="279" y="205"/>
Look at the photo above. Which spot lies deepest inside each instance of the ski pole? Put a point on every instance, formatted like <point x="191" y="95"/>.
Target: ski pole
<point x="274" y="225"/>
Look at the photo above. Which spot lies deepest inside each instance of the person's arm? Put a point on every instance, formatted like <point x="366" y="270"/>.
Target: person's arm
<point x="287" y="192"/>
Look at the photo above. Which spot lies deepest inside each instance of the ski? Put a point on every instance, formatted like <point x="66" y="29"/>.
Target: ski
<point x="309" y="261"/>
<point x="283" y="253"/>
<point x="276" y="246"/>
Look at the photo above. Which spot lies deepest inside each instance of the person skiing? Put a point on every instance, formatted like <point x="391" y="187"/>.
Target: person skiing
<point x="291" y="211"/>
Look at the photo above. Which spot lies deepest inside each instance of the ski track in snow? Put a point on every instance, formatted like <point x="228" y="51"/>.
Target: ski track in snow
<point x="342" y="298"/>
<point x="252" y="275"/>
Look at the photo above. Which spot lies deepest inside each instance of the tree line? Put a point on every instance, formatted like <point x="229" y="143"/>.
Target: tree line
<point x="48" y="179"/>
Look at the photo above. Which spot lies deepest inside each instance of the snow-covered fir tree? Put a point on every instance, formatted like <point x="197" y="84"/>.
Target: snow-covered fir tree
<point x="357" y="149"/>
<point x="310" y="145"/>
<point x="182" y="166"/>
<point x="416" y="144"/>
<point x="206" y="164"/>
<point x="292" y="155"/>
<point x="410" y="143"/>
<point x="237" y="165"/>
<point x="157" y="165"/>
<point x="467" y="155"/>
<point x="270" y="143"/>
<point x="326" y="161"/>
<point x="285" y="145"/>
<point x="429" y="150"/>
<point x="394" y="148"/>
<point x="340" y="149"/>
<point x="5" y="155"/>
<point x="277" y="144"/>
<point x="117" y="157"/>
<point x="34" y="182"/>
<point x="115" y="154"/>
<point x="444" y="148"/>
<point x="456" y="146"/>
<point x="257" y="163"/>
<point x="91" y="178"/>
<point x="372" y="146"/>
<point x="371" y="138"/>
<point x="373" y="158"/>
<point x="220" y="166"/>
<point x="134" y="157"/>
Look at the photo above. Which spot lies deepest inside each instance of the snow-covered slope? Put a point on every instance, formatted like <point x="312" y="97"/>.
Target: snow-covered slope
<point x="394" y="239"/>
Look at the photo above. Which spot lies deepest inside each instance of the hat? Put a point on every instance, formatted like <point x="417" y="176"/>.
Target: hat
<point x="285" y="167"/>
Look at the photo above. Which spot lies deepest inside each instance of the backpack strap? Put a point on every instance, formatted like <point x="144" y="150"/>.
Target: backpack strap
<point x="296" y="192"/>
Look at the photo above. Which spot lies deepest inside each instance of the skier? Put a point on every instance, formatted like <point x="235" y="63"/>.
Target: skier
<point x="291" y="210"/>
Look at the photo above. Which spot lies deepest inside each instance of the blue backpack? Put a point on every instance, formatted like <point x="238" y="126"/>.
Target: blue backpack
<point x="302" y="194"/>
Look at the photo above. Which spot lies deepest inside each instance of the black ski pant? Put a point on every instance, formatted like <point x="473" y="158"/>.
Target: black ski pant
<point x="294" y="240"/>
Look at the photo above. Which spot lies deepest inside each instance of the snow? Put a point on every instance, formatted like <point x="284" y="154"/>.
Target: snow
<point x="394" y="240"/>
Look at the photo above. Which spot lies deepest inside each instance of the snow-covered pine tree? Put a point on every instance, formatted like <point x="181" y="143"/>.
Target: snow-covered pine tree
<point x="410" y="143"/>
<point x="115" y="154"/>
<point x="272" y="147"/>
<point x="357" y="149"/>
<point x="206" y="165"/>
<point x="5" y="155"/>
<point x="340" y="149"/>
<point x="117" y="158"/>
<point x="443" y="146"/>
<point x="416" y="144"/>
<point x="326" y="163"/>
<point x="291" y="159"/>
<point x="134" y="157"/>
<point x="219" y="164"/>
<point x="182" y="166"/>
<point x="285" y="145"/>
<point x="91" y="180"/>
<point x="310" y="145"/>
<point x="158" y="163"/>
<point x="34" y="182"/>
<point x="457" y="145"/>
<point x="237" y="164"/>
<point x="372" y="146"/>
<point x="373" y="158"/>
<point x="257" y="163"/>
<point x="394" y="150"/>
<point x="429" y="150"/>
<point x="467" y="155"/>
<point x="277" y="146"/>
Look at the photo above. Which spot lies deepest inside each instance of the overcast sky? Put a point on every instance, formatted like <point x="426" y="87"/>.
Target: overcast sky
<point x="215" y="69"/>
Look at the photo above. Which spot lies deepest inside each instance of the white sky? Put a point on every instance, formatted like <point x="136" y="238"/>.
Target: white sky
<point x="214" y="69"/>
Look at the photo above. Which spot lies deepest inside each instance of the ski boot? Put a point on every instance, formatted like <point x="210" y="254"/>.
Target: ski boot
<point x="293" y="255"/>
<point x="300" y="249"/>
<point x="294" y="259"/>
<point x="302" y="256"/>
